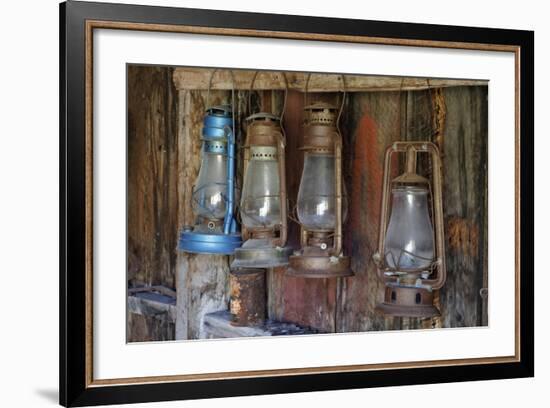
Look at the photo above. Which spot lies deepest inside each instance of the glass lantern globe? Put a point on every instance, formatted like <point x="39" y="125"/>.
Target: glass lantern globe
<point x="261" y="202"/>
<point x="316" y="195"/>
<point x="211" y="186"/>
<point x="409" y="242"/>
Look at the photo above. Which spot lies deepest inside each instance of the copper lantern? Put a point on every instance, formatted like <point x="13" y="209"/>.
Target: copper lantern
<point x="321" y="204"/>
<point x="263" y="206"/>
<point x="411" y="247"/>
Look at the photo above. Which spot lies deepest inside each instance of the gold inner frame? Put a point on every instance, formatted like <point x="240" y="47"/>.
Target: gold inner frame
<point x="98" y="24"/>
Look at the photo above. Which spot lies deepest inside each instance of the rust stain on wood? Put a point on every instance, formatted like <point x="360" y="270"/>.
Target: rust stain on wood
<point x="463" y="236"/>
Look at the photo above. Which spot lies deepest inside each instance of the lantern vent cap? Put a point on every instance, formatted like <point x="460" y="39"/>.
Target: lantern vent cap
<point x="220" y="110"/>
<point x="317" y="106"/>
<point x="410" y="178"/>
<point x="320" y="113"/>
<point x="262" y="116"/>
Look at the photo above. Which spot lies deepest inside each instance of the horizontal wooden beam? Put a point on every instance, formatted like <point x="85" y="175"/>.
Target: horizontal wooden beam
<point x="152" y="304"/>
<point x="198" y="79"/>
<point x="157" y="288"/>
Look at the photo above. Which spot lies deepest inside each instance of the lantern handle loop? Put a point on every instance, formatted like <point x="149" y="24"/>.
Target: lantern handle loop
<point x="342" y="104"/>
<point x="285" y="81"/>
<point x="210" y="85"/>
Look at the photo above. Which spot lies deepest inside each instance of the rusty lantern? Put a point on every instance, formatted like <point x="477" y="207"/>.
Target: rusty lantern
<point x="321" y="204"/>
<point x="263" y="207"/>
<point x="411" y="247"/>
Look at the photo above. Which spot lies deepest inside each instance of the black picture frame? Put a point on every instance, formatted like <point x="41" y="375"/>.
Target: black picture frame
<point x="75" y="389"/>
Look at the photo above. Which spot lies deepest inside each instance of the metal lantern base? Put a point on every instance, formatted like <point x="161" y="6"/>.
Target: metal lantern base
<point x="408" y="301"/>
<point x="204" y="243"/>
<point x="319" y="266"/>
<point x="263" y="257"/>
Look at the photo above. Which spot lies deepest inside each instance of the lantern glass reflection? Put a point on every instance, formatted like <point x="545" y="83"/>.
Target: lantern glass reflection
<point x="409" y="243"/>
<point x="210" y="190"/>
<point x="316" y="197"/>
<point x="260" y="204"/>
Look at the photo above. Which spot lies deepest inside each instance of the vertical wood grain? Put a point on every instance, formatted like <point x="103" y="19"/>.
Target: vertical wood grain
<point x="465" y="204"/>
<point x="371" y="123"/>
<point x="152" y="195"/>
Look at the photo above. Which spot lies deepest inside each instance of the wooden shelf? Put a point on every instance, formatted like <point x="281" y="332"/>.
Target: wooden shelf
<point x="218" y="325"/>
<point x="198" y="79"/>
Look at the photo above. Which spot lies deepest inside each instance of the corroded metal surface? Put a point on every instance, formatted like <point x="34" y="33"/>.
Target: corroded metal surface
<point x="248" y="297"/>
<point x="407" y="301"/>
<point x="263" y="257"/>
<point x="319" y="266"/>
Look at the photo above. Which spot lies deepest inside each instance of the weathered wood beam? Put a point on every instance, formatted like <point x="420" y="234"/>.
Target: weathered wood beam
<point x="149" y="303"/>
<point x="218" y="325"/>
<point x="198" y="79"/>
<point x="157" y="288"/>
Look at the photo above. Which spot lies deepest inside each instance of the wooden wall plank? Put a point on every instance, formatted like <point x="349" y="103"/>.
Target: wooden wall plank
<point x="152" y="175"/>
<point x="148" y="328"/>
<point x="465" y="204"/>
<point x="371" y="123"/>
<point x="152" y="190"/>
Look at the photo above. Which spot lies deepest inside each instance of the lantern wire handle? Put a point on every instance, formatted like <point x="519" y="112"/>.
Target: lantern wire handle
<point x="285" y="81"/>
<point x="342" y="104"/>
<point x="344" y="92"/>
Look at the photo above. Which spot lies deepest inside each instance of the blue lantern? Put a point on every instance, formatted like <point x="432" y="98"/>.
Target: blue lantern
<point x="215" y="231"/>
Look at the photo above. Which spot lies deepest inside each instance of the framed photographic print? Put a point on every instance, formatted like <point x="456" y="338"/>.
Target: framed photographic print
<point x="255" y="203"/>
